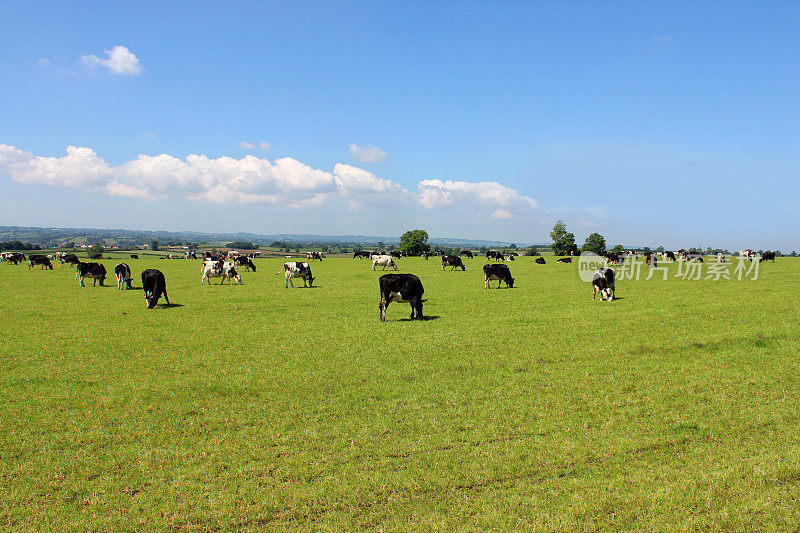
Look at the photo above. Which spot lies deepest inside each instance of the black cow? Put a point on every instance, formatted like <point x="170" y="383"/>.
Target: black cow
<point x="401" y="288"/>
<point x="123" y="275"/>
<point x="37" y="259"/>
<point x="497" y="256"/>
<point x="564" y="260"/>
<point x="452" y="261"/>
<point x="94" y="271"/>
<point x="603" y="281"/>
<point x="72" y="259"/>
<point x="14" y="257"/>
<point x="767" y="256"/>
<point x="511" y="257"/>
<point x="246" y="261"/>
<point x="614" y="258"/>
<point x="362" y="254"/>
<point x="501" y="273"/>
<point x="669" y="255"/>
<point x="154" y="285"/>
<point x="395" y="253"/>
<point x="134" y="256"/>
<point x="651" y="259"/>
<point x="539" y="261"/>
<point x="466" y="253"/>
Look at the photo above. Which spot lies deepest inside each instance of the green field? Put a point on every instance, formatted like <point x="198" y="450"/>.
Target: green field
<point x="257" y="407"/>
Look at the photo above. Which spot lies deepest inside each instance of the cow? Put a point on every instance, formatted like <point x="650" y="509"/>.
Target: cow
<point x="296" y="268"/>
<point x="511" y="257"/>
<point x="395" y="253"/>
<point x="314" y="255"/>
<point x="362" y="254"/>
<point x="385" y="261"/>
<point x="668" y="255"/>
<point x="123" y="274"/>
<point x="539" y="261"/>
<point x="154" y="285"/>
<point x="650" y="259"/>
<point x="219" y="269"/>
<point x="501" y="273"/>
<point x="189" y="255"/>
<point x="564" y="260"/>
<point x="424" y="255"/>
<point x="497" y="256"/>
<point x="72" y="259"/>
<point x="767" y="256"/>
<point x="453" y="261"/>
<point x="613" y="258"/>
<point x="466" y="253"/>
<point x="232" y="254"/>
<point x="93" y="271"/>
<point x="14" y="257"/>
<point x="690" y="256"/>
<point x="37" y="259"/>
<point x="401" y="288"/>
<point x="603" y="282"/>
<point x="134" y="256"/>
<point x="720" y="257"/>
<point x="245" y="261"/>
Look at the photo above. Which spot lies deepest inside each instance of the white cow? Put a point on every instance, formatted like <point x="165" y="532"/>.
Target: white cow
<point x="296" y="268"/>
<point x="219" y="269"/>
<point x="383" y="260"/>
<point x="720" y="257"/>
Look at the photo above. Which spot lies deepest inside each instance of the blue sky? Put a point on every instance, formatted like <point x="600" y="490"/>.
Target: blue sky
<point x="671" y="123"/>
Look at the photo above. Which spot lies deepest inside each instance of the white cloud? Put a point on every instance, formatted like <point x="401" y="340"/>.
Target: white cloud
<point x="263" y="146"/>
<point x="250" y="179"/>
<point x="119" y="60"/>
<point x="507" y="202"/>
<point x="44" y="62"/>
<point x="367" y="154"/>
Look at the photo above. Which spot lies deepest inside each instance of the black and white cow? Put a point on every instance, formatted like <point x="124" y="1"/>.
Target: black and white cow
<point x="424" y="255"/>
<point x="219" y="269"/>
<point x="385" y="261"/>
<point x="497" y="256"/>
<point x="14" y="257"/>
<point x="539" y="261"/>
<point x="767" y="256"/>
<point x="37" y="259"/>
<point x="310" y="256"/>
<point x="651" y="259"/>
<point x="720" y="257"/>
<point x="466" y="253"/>
<point x="668" y="256"/>
<point x="453" y="261"/>
<point x="511" y="257"/>
<point x="564" y="260"/>
<point x="93" y="271"/>
<point x="693" y="256"/>
<point x="71" y="259"/>
<point x="297" y="269"/>
<point x="154" y="285"/>
<point x="501" y="273"/>
<point x="123" y="275"/>
<point x="603" y="282"/>
<point x="613" y="258"/>
<point x="362" y="254"/>
<point x="395" y="254"/>
<point x="245" y="261"/>
<point x="401" y="288"/>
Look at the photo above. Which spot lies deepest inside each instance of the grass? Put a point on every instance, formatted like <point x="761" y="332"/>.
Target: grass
<point x="260" y="407"/>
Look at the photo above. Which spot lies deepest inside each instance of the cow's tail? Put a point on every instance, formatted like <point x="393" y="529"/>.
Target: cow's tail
<point x="281" y="270"/>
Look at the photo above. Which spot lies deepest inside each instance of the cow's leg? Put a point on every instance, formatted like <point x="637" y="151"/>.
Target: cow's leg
<point x="81" y="281"/>
<point x="418" y="304"/>
<point x="594" y="291"/>
<point x="486" y="283"/>
<point x="165" y="296"/>
<point x="382" y="308"/>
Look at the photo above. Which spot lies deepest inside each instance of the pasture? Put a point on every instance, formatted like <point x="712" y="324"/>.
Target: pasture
<point x="259" y="407"/>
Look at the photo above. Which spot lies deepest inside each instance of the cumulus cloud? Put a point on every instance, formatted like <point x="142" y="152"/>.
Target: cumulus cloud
<point x="250" y="179"/>
<point x="119" y="60"/>
<point x="44" y="62"/>
<point x="367" y="154"/>
<point x="263" y="146"/>
<point x="506" y="202"/>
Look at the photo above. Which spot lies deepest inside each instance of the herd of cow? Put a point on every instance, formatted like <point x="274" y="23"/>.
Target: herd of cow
<point x="405" y="288"/>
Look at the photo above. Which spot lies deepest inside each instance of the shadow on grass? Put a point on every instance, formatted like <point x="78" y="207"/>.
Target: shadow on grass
<point x="424" y="318"/>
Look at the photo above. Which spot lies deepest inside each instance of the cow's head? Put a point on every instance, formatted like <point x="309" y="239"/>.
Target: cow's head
<point x="510" y="282"/>
<point x="235" y="275"/>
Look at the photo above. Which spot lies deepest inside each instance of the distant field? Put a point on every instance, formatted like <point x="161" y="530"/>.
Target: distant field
<point x="672" y="408"/>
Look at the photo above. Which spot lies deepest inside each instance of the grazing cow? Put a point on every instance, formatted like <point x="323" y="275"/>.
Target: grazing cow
<point x="219" y="269"/>
<point x="233" y="254"/>
<point x="497" y="256"/>
<point x="613" y="258"/>
<point x="501" y="273"/>
<point x="93" y="271"/>
<point x="539" y="261"/>
<point x="395" y="253"/>
<point x="453" y="261"/>
<point x="603" y="282"/>
<point x="720" y="257"/>
<point x="154" y="286"/>
<point x="511" y="257"/>
<point x="466" y="253"/>
<point x="314" y="255"/>
<point x="296" y="268"/>
<point x="767" y="256"/>
<point x="14" y="257"/>
<point x="385" y="261"/>
<point x="401" y="288"/>
<point x="668" y="255"/>
<point x="424" y="255"/>
<point x="37" y="259"/>
<point x="650" y="259"/>
<point x="564" y="260"/>
<point x="362" y="254"/>
<point x="123" y="274"/>
<point x="72" y="259"/>
<point x="245" y="261"/>
<point x="134" y="256"/>
<point x="693" y="256"/>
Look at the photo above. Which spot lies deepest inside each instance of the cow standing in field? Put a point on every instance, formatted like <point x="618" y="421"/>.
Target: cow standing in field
<point x="668" y="256"/>
<point x="310" y="256"/>
<point x="767" y="256"/>
<point x="297" y="269"/>
<point x="385" y="261"/>
<point x="123" y="275"/>
<point x="497" y="256"/>
<point x="36" y="259"/>
<point x="134" y="256"/>
<point x="14" y="257"/>
<point x="93" y="271"/>
<point x="154" y="285"/>
<point x="71" y="259"/>
<point x="219" y="269"/>
<point x="401" y="288"/>
<point x="453" y="261"/>
<point x="720" y="257"/>
<point x="650" y="259"/>
<point x="501" y="273"/>
<point x="362" y="254"/>
<point x="466" y="253"/>
<point x="603" y="282"/>
<point x="245" y="261"/>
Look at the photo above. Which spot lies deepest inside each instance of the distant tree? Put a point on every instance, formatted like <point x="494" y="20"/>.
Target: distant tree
<point x="595" y="243"/>
<point x="646" y="249"/>
<point x="95" y="251"/>
<point x="513" y="246"/>
<point x="482" y="249"/>
<point x="242" y="245"/>
<point x="381" y="245"/>
<point x="357" y="248"/>
<point x="660" y="249"/>
<point x="794" y="253"/>
<point x="325" y="248"/>
<point x="618" y="249"/>
<point x="532" y="251"/>
<point x="154" y="245"/>
<point x="563" y="241"/>
<point x="414" y="242"/>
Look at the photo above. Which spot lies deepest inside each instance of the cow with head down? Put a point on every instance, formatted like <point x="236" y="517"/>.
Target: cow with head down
<point x="219" y="269"/>
<point x="294" y="269"/>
